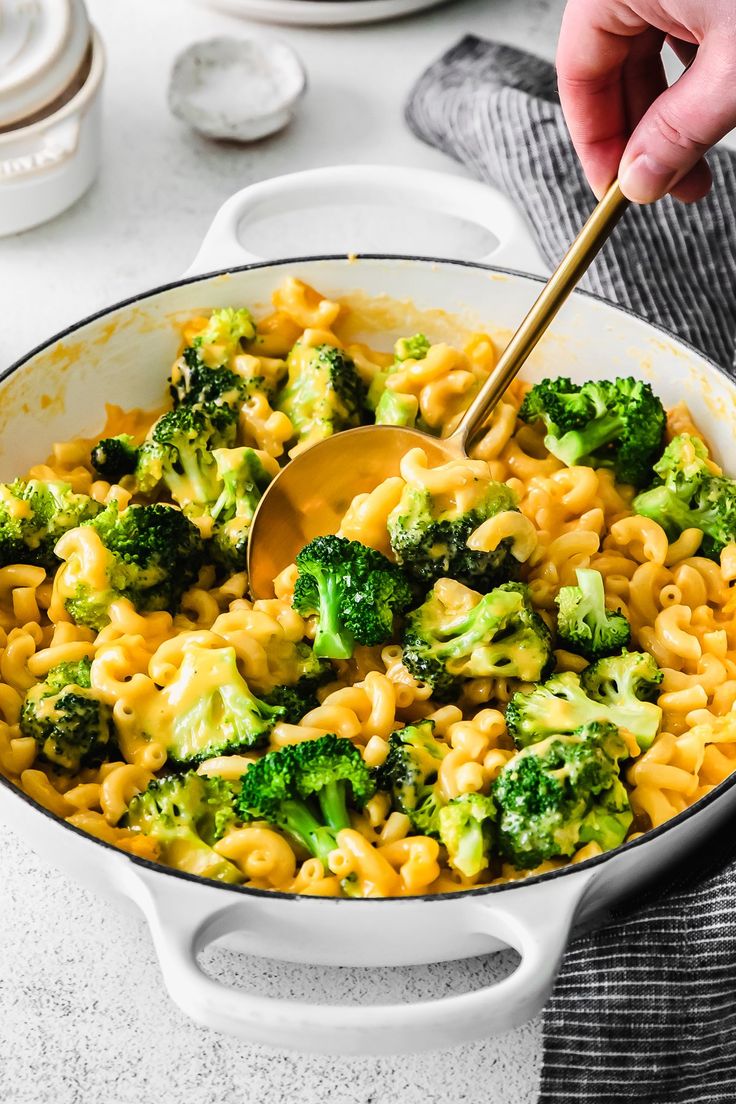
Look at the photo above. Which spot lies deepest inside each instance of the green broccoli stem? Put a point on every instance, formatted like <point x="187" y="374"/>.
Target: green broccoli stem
<point x="468" y="633"/>
<point x="332" y="800"/>
<point x="332" y="641"/>
<point x="303" y="826"/>
<point x="398" y="410"/>
<point x="577" y="443"/>
<point x="593" y="607"/>
<point x="377" y="389"/>
<point x="469" y="856"/>
<point x="183" y="848"/>
<point x="226" y="497"/>
<point x="350" y="886"/>
<point x="608" y="830"/>
<point x="593" y="591"/>
<point x="194" y="484"/>
<point x="665" y="507"/>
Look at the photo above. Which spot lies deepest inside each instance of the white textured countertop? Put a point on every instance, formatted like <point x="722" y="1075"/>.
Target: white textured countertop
<point x="83" y="1016"/>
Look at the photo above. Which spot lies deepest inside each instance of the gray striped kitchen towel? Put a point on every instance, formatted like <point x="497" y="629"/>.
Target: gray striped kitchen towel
<point x="495" y="109"/>
<point x="646" y="1008"/>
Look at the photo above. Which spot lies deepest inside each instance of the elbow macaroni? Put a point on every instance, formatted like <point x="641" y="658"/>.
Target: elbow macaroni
<point x="681" y="606"/>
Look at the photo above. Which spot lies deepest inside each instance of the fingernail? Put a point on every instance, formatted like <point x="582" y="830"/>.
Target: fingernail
<point x="646" y="179"/>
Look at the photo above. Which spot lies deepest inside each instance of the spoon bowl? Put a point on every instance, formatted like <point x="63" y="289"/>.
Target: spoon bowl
<point x="309" y="497"/>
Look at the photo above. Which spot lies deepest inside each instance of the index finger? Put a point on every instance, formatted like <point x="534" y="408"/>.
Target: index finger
<point x="593" y="49"/>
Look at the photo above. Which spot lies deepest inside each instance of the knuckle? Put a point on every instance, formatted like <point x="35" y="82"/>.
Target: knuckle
<point x="677" y="134"/>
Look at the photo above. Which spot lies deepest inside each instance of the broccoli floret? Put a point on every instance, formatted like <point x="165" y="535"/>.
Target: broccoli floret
<point x="562" y="704"/>
<point x="466" y="830"/>
<point x="298" y="696"/>
<point x="179" y="449"/>
<point x="627" y="684"/>
<point x="306" y="790"/>
<point x="712" y="510"/>
<point x="323" y="393"/>
<point x="295" y="701"/>
<point x="584" y="625"/>
<point x="186" y="814"/>
<point x="397" y="410"/>
<point x="153" y="554"/>
<point x="213" y="709"/>
<point x="430" y="541"/>
<point x="617" y="424"/>
<point x="72" y="673"/>
<point x="547" y="793"/>
<point x="34" y="515"/>
<point x="501" y="636"/>
<point x="243" y="479"/>
<point x="411" y="348"/>
<point x="114" y="457"/>
<point x="295" y="676"/>
<point x="393" y="406"/>
<point x="563" y="406"/>
<point x="409" y="775"/>
<point x="71" y="726"/>
<point x="193" y="383"/>
<point x="353" y="590"/>
<point x="691" y="495"/>
<point x="220" y="339"/>
<point x="609" y="819"/>
<point x="685" y="463"/>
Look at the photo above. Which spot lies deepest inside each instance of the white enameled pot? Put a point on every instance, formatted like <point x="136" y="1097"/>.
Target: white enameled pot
<point x="122" y="355"/>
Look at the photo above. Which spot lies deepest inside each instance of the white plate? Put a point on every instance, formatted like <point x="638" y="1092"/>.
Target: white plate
<point x="321" y="12"/>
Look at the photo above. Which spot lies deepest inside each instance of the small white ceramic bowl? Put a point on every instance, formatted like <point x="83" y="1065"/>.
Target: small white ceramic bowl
<point x="48" y="164"/>
<point x="236" y="89"/>
<point x="43" y="47"/>
<point x="51" y="67"/>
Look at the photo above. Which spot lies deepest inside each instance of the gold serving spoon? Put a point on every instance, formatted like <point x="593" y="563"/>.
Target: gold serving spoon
<point x="309" y="497"/>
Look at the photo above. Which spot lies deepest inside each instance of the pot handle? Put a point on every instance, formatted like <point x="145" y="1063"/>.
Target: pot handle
<point x="535" y="922"/>
<point x="412" y="188"/>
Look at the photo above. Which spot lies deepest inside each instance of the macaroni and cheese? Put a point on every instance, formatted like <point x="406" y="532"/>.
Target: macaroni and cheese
<point x="146" y="657"/>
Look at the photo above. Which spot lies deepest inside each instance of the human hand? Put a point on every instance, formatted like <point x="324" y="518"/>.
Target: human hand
<point x="622" y="116"/>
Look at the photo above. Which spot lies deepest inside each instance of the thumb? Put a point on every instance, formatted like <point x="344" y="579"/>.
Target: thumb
<point x="685" y="121"/>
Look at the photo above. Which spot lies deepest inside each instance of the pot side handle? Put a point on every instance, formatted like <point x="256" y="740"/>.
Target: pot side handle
<point x="400" y="187"/>
<point x="536" y="924"/>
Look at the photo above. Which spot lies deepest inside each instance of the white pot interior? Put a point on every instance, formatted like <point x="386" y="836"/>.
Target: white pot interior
<point x="123" y="357"/>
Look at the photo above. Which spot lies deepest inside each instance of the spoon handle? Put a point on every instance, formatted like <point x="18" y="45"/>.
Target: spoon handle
<point x="565" y="278"/>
